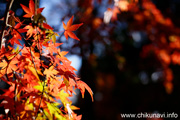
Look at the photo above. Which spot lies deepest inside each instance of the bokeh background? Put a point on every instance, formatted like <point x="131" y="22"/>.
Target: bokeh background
<point x="128" y="53"/>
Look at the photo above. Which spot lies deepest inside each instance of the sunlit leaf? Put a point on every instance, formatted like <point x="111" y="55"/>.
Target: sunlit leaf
<point x="69" y="28"/>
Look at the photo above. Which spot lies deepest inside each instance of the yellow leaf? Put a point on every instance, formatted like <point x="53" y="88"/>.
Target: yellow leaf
<point x="52" y="35"/>
<point x="54" y="38"/>
<point x="74" y="107"/>
<point x="47" y="114"/>
<point x="63" y="96"/>
<point x="28" y="106"/>
<point x="59" y="117"/>
<point x="51" y="109"/>
<point x="39" y="87"/>
<point x="54" y="110"/>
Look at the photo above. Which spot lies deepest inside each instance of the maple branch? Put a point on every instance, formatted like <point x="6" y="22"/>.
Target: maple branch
<point x="36" y="6"/>
<point x="42" y="82"/>
<point x="33" y="60"/>
<point x="43" y="85"/>
<point x="9" y="5"/>
<point x="16" y="90"/>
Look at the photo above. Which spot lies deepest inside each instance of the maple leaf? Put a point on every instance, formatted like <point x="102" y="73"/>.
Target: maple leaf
<point x="62" y="53"/>
<point x="31" y="10"/>
<point x="51" y="47"/>
<point x="31" y="30"/>
<point x="54" y="110"/>
<point x="50" y="72"/>
<point x="45" y="25"/>
<point x="9" y="66"/>
<point x="51" y="34"/>
<point x="69" y="28"/>
<point x="10" y="91"/>
<point x="16" y="34"/>
<point x="82" y="86"/>
<point x="63" y="97"/>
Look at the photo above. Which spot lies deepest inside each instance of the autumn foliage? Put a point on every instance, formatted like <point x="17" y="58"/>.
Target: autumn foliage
<point x="130" y="52"/>
<point x="36" y="70"/>
<point x="136" y="16"/>
<point x="131" y="48"/>
<point x="161" y="32"/>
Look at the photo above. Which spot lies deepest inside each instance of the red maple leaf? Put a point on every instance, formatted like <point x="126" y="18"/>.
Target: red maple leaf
<point x="16" y="34"/>
<point x="69" y="28"/>
<point x="31" y="10"/>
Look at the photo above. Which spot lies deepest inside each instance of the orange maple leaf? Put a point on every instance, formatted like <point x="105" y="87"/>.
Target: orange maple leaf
<point x="31" y="10"/>
<point x="69" y="28"/>
<point x="50" y="72"/>
<point x="82" y="86"/>
<point x="31" y="30"/>
<point x="10" y="66"/>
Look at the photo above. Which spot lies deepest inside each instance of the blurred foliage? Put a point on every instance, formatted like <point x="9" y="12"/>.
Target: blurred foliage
<point x="130" y="51"/>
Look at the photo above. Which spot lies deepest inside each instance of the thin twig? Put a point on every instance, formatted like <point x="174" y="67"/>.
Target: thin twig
<point x="36" y="7"/>
<point x="40" y="100"/>
<point x="6" y="16"/>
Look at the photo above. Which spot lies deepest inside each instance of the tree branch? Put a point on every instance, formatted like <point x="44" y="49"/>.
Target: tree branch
<point x="6" y="16"/>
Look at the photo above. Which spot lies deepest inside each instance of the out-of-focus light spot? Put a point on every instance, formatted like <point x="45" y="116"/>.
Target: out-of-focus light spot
<point x="164" y="56"/>
<point x="6" y="111"/>
<point x="107" y="15"/>
<point x="169" y="87"/>
<point x="19" y="12"/>
<point x="97" y="22"/>
<point x="155" y="76"/>
<point x="116" y="2"/>
<point x="136" y="36"/>
<point x="143" y="77"/>
<point x="104" y="33"/>
<point x="123" y="5"/>
<point x="98" y="96"/>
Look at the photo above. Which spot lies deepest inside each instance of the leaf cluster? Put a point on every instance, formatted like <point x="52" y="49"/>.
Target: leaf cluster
<point x="37" y="71"/>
